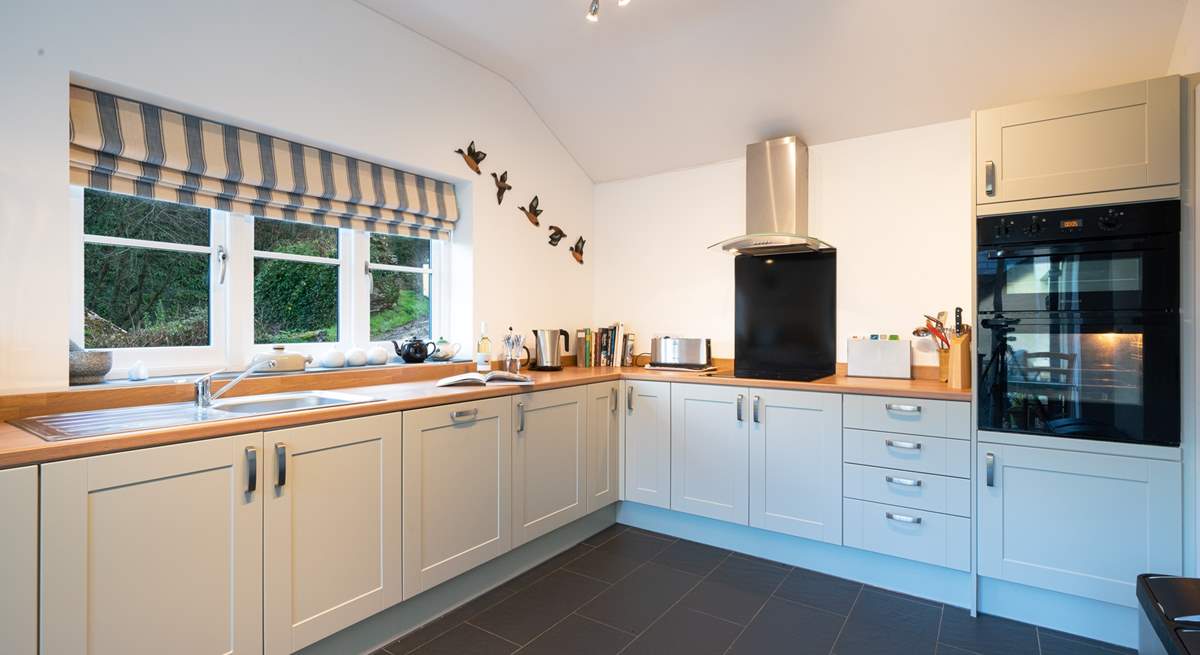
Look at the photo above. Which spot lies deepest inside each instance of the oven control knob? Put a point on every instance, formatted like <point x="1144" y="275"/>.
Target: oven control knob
<point x="1108" y="222"/>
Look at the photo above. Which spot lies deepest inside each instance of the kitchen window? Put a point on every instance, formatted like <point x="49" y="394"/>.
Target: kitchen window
<point x="186" y="289"/>
<point x="401" y="279"/>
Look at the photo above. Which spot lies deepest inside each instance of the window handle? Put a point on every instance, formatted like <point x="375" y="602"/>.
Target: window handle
<point x="223" y="262"/>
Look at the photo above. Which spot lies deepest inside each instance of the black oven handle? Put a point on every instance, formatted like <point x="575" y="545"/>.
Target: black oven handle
<point x="1076" y="248"/>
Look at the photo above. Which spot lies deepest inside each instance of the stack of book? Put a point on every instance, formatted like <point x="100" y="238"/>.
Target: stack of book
<point x="606" y="346"/>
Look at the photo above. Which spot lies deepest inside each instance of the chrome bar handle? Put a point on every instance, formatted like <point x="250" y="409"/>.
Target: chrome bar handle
<point x="757" y="402"/>
<point x="903" y="409"/>
<point x="740" y="399"/>
<point x="904" y="445"/>
<point x="903" y="518"/>
<point x="252" y="467"/>
<point x="629" y="398"/>
<point x="989" y="178"/>
<point x="464" y="414"/>
<point x="991" y="469"/>
<point x="520" y="417"/>
<point x="280" y="464"/>
<point x="612" y="400"/>
<point x="904" y="482"/>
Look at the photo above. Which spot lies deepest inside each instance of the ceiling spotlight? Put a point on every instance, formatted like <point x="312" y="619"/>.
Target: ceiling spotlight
<point x="622" y="3"/>
<point x="593" y="12"/>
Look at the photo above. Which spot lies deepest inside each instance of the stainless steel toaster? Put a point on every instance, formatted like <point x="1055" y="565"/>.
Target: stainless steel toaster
<point x="680" y="353"/>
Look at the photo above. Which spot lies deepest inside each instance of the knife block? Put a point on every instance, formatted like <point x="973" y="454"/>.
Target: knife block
<point x="960" y="362"/>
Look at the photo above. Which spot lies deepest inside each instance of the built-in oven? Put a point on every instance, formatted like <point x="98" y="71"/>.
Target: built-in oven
<point x="1079" y="323"/>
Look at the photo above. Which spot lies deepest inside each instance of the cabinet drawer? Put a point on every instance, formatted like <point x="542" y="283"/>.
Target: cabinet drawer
<point x="935" y="493"/>
<point x="907" y="452"/>
<point x="935" y="418"/>
<point x="918" y="535"/>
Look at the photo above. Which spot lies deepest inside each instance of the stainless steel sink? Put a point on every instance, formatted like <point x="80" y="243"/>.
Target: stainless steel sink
<point x="77" y="425"/>
<point x="285" y="402"/>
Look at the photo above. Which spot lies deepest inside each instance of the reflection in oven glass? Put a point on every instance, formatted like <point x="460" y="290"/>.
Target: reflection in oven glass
<point x="1074" y="383"/>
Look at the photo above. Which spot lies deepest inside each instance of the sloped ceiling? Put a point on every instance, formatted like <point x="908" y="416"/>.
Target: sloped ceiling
<point x="666" y="84"/>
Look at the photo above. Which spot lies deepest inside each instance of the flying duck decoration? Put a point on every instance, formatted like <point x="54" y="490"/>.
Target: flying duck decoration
<point x="577" y="250"/>
<point x="502" y="186"/>
<point x="473" y="157"/>
<point x="532" y="212"/>
<point x="556" y="235"/>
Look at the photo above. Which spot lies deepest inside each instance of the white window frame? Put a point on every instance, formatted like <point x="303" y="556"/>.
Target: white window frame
<point x="231" y="323"/>
<point x="168" y="360"/>
<point x="436" y="284"/>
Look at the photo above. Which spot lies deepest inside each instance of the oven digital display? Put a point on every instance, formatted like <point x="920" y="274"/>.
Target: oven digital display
<point x="1071" y="224"/>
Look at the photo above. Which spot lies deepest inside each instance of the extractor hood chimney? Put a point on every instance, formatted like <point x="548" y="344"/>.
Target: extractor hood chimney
<point x="776" y="201"/>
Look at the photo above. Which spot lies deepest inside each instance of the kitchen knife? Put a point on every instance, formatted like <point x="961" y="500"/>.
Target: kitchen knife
<point x="958" y="321"/>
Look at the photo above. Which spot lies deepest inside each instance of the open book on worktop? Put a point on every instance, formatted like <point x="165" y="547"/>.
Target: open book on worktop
<point x="481" y="379"/>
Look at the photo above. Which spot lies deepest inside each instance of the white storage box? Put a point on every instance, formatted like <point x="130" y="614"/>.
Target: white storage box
<point x="879" y="358"/>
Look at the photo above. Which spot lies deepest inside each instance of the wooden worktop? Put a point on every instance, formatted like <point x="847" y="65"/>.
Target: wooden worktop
<point x="20" y="448"/>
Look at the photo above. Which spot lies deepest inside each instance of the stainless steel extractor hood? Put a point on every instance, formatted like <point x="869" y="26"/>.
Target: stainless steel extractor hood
<point x="776" y="201"/>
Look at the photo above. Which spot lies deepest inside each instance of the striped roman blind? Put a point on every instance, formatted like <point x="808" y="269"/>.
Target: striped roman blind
<point x="137" y="148"/>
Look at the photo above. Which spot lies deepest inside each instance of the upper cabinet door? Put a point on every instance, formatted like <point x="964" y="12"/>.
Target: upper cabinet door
<point x="796" y="463"/>
<point x="603" y="463"/>
<point x="154" y="551"/>
<point x="457" y="490"/>
<point x="18" y="560"/>
<point x="647" y="408"/>
<point x="1121" y="137"/>
<point x="1077" y="523"/>
<point x="549" y="435"/>
<point x="332" y="527"/>
<point x="710" y="451"/>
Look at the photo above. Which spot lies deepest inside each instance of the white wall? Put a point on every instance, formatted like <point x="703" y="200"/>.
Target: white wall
<point x="331" y="73"/>
<point x="896" y="206"/>
<point x="1186" y="57"/>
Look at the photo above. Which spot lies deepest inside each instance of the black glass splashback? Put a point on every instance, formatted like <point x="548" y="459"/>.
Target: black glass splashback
<point x="785" y="315"/>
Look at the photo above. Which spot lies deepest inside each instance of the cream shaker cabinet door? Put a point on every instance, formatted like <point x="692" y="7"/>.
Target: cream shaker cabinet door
<point x="331" y="553"/>
<point x="710" y="451"/>
<point x="549" y="438"/>
<point x="1121" y="137"/>
<point x="647" y="408"/>
<point x="1077" y="523"/>
<point x="18" y="560"/>
<point x="457" y="490"/>
<point x="602" y="457"/>
<point x="154" y="551"/>
<point x="796" y="463"/>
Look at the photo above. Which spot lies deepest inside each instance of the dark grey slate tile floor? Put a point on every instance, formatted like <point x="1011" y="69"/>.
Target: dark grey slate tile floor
<point x="628" y="591"/>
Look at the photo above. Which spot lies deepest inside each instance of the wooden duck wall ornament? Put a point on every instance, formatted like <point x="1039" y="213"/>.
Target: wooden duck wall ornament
<point x="577" y="250"/>
<point x="532" y="212"/>
<point x="473" y="157"/>
<point x="556" y="235"/>
<point x="502" y="186"/>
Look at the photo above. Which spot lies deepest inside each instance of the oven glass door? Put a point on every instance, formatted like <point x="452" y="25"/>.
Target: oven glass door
<point x="1112" y="377"/>
<point x="1101" y="275"/>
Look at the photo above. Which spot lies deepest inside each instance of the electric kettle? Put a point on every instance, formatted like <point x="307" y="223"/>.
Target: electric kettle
<point x="546" y="355"/>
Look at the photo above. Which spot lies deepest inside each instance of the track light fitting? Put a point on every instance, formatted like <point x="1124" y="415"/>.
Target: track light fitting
<point x="593" y="12"/>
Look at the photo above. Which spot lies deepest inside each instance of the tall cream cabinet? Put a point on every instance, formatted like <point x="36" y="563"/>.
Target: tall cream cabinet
<point x="647" y="409"/>
<point x="154" y="551"/>
<point x="710" y="451"/>
<point x="602" y="461"/>
<point x="1070" y="148"/>
<point x="796" y="463"/>
<point x="457" y="490"/>
<point x="18" y="560"/>
<point x="331" y="550"/>
<point x="549" y="437"/>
